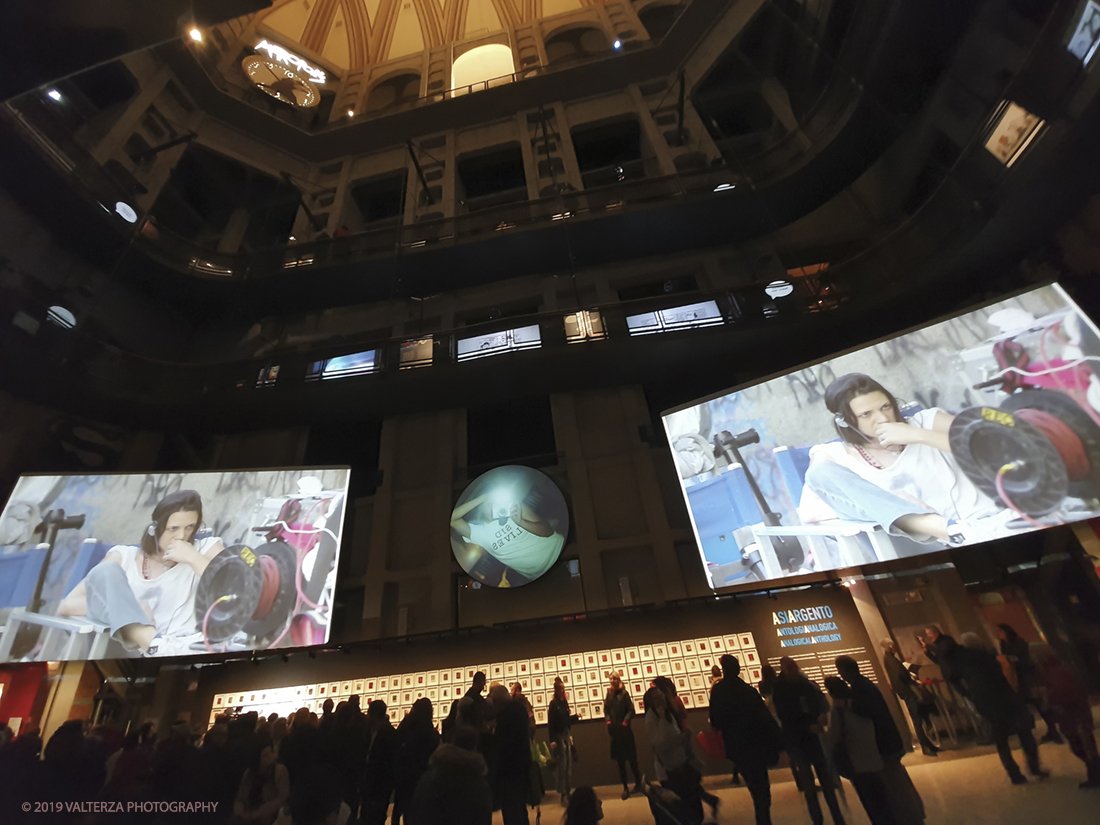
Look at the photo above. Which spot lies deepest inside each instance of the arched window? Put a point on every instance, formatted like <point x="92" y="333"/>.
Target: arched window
<point x="477" y="67"/>
<point x="404" y="88"/>
<point x="576" y="43"/>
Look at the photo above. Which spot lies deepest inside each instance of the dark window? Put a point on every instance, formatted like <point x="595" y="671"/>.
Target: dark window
<point x="381" y="198"/>
<point x="495" y="173"/>
<point x="609" y="152"/>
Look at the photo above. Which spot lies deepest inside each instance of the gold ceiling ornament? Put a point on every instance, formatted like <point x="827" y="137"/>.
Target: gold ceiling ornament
<point x="281" y="82"/>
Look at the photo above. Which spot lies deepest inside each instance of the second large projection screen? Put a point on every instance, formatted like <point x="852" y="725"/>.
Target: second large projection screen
<point x="979" y="427"/>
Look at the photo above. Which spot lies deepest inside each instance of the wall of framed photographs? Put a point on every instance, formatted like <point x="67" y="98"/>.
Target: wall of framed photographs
<point x="585" y="674"/>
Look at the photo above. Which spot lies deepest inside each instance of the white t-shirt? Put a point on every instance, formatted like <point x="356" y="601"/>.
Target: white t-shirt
<point x="516" y="547"/>
<point x="171" y="595"/>
<point x="921" y="474"/>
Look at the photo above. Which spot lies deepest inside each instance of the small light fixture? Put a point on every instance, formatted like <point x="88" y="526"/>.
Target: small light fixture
<point x="725" y="187"/>
<point x="126" y="212"/>
<point x="196" y="35"/>
<point x="54" y="95"/>
<point x="293" y="238"/>
<point x="618" y="44"/>
<point x="351" y="113"/>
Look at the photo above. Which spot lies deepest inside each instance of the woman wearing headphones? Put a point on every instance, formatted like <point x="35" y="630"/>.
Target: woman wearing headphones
<point x="146" y="594"/>
<point x="893" y="472"/>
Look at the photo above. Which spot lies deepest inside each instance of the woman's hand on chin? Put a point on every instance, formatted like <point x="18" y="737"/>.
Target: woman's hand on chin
<point x="182" y="552"/>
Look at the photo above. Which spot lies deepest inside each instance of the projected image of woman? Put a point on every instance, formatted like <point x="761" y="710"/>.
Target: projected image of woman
<point x="893" y="472"/>
<point x="504" y="525"/>
<point x="146" y="594"/>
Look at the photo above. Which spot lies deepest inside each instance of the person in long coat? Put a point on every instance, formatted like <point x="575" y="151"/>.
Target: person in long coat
<point x="618" y="711"/>
<point x="750" y="734"/>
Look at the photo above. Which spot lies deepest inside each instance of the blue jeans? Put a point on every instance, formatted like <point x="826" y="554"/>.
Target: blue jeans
<point x="110" y="600"/>
<point x="854" y="498"/>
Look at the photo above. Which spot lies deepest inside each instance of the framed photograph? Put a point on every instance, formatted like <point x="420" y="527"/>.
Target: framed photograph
<point x="525" y="684"/>
<point x="674" y="650"/>
<point x="523" y="668"/>
<point x="495" y="671"/>
<point x="755" y="675"/>
<point x="566" y="678"/>
<point x="470" y="670"/>
<point x="406" y="698"/>
<point x="408" y="679"/>
<point x="395" y="700"/>
<point x="732" y="643"/>
<point x="597" y="710"/>
<point x="359" y="686"/>
<point x="445" y="693"/>
<point x="688" y="701"/>
<point x="582" y="711"/>
<point x="510" y="670"/>
<point x="536" y="665"/>
<point x="701" y="699"/>
<point x="746" y="640"/>
<point x="638" y="688"/>
<point x="595" y="692"/>
<point x="682" y="684"/>
<point x="707" y="662"/>
<point x="635" y="672"/>
<point x="334" y="689"/>
<point x="594" y="677"/>
<point x="591" y="659"/>
<point x="540" y="716"/>
<point x="576" y="661"/>
<point x="664" y="668"/>
<point x="579" y="677"/>
<point x="749" y="658"/>
<point x="717" y="645"/>
<point x="563" y="662"/>
<point x="660" y="651"/>
<point x="645" y="653"/>
<point x="486" y="669"/>
<point x="538" y="699"/>
<point x="420" y="694"/>
<point x="649" y="670"/>
<point x="688" y="647"/>
<point x="540" y="682"/>
<point x="421" y="680"/>
<point x="618" y="656"/>
<point x="444" y="677"/>
<point x="632" y="655"/>
<point x="433" y="677"/>
<point x="697" y="681"/>
<point x="346" y="688"/>
<point x="393" y="713"/>
<point x="692" y="665"/>
<point x="604" y="659"/>
<point x="678" y="666"/>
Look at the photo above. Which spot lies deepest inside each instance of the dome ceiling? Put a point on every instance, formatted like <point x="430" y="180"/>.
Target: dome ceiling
<point x="351" y="34"/>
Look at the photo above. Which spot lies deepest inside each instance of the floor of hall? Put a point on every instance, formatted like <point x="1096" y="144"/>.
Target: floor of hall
<point x="961" y="787"/>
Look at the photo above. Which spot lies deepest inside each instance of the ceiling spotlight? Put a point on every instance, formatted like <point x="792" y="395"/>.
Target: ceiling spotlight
<point x="126" y="212"/>
<point x="351" y="113"/>
<point x="725" y="187"/>
<point x="54" y="95"/>
<point x="196" y="35"/>
<point x="618" y="44"/>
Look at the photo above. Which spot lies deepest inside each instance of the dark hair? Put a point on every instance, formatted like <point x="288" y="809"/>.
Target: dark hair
<point x="582" y="807"/>
<point x="1010" y="632"/>
<point x="376" y="709"/>
<point x="666" y="685"/>
<point x="731" y="667"/>
<point x="419" y="716"/>
<point x="846" y="664"/>
<point x="838" y="400"/>
<point x="837" y="687"/>
<point x="649" y="701"/>
<point x="465" y="737"/>
<point x="183" y="501"/>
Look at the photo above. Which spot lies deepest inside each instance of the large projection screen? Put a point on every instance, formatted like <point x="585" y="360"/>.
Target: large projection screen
<point x="169" y="564"/>
<point x="979" y="427"/>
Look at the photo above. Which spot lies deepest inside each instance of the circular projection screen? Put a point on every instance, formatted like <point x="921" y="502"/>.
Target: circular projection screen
<point x="509" y="526"/>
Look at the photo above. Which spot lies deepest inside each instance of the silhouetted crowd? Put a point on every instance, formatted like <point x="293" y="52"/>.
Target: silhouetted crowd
<point x="350" y="766"/>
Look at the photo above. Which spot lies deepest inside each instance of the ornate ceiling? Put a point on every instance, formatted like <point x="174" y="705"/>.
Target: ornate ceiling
<point x="350" y="34"/>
